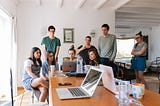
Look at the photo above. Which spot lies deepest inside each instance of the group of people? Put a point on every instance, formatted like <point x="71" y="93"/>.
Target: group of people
<point x="105" y="54"/>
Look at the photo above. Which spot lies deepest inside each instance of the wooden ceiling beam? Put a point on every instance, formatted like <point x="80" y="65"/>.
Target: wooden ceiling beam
<point x="81" y="3"/>
<point x="38" y="2"/>
<point x="121" y="3"/>
<point x="60" y="3"/>
<point x="101" y="3"/>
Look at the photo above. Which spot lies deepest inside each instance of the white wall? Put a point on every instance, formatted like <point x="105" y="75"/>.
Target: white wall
<point x="33" y="21"/>
<point x="155" y="43"/>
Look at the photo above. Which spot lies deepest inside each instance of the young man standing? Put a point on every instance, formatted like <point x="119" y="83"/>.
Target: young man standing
<point x="107" y="47"/>
<point x="51" y="43"/>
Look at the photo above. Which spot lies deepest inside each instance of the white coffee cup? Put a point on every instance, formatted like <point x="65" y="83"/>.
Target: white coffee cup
<point x="138" y="90"/>
<point x="52" y="68"/>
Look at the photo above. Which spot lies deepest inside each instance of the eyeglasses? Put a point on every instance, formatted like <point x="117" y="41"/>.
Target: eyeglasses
<point x="51" y="31"/>
<point x="50" y="55"/>
<point x="137" y="38"/>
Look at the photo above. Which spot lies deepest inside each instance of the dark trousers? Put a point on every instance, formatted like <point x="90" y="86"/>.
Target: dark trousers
<point x="107" y="62"/>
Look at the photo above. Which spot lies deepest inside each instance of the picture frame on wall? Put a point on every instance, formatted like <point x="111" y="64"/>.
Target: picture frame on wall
<point x="68" y="35"/>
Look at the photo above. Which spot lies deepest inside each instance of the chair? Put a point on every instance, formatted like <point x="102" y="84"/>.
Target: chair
<point x="125" y="73"/>
<point x="35" y="92"/>
<point x="155" y="65"/>
<point x="66" y="58"/>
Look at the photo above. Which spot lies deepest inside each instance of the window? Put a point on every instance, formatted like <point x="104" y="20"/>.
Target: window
<point x="124" y="48"/>
<point x="5" y="47"/>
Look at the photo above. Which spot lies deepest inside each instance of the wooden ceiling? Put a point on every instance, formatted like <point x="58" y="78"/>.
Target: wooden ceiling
<point x="138" y="13"/>
<point x="129" y="13"/>
<point x="95" y="4"/>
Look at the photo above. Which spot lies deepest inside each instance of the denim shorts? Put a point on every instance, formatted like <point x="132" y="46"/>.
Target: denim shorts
<point x="27" y="83"/>
<point x="138" y="63"/>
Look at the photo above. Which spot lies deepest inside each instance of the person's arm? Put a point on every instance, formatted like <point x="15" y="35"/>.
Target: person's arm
<point x="114" y="50"/>
<point x="44" y="77"/>
<point x="29" y="71"/>
<point x="57" y="51"/>
<point x="142" y="51"/>
<point x="79" y="49"/>
<point x="133" y="51"/>
<point x="99" y="50"/>
<point x="44" y="71"/>
<point x="44" y="51"/>
<point x="27" y="67"/>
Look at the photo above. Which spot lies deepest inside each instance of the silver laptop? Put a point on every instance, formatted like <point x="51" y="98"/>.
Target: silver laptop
<point x="87" y="87"/>
<point x="69" y="66"/>
<point x="108" y="79"/>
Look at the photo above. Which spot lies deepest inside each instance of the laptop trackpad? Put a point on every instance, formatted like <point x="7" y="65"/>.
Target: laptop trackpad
<point x="63" y="93"/>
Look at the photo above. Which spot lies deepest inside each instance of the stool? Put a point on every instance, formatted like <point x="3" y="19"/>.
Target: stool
<point x="39" y="104"/>
<point x="35" y="92"/>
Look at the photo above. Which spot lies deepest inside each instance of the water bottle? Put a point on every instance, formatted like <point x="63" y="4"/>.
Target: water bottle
<point x="79" y="64"/>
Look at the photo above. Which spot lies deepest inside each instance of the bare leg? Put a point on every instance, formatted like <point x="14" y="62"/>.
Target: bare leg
<point x="137" y="76"/>
<point x="140" y="74"/>
<point x="43" y="95"/>
<point x="39" y="82"/>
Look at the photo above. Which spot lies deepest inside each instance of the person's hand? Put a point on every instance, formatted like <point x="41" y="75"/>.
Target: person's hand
<point x="111" y="59"/>
<point x="83" y="47"/>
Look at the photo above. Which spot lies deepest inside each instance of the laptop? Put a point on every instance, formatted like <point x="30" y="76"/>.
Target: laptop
<point x="108" y="79"/>
<point x="68" y="66"/>
<point x="87" y="87"/>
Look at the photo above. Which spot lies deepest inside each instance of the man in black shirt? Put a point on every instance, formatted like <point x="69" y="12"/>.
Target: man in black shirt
<point x="83" y="50"/>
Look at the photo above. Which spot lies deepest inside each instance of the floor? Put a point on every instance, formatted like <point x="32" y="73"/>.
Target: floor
<point x="24" y="97"/>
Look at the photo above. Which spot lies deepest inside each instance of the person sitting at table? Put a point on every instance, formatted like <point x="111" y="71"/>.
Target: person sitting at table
<point x="83" y="50"/>
<point x="47" y="63"/>
<point x="94" y="57"/>
<point x="31" y="74"/>
<point x="72" y="54"/>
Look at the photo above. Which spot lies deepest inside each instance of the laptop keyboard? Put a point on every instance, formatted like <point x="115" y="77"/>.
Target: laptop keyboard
<point x="76" y="92"/>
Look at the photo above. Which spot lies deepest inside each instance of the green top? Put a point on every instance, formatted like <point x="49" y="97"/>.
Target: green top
<point x="107" y="46"/>
<point x="51" y="44"/>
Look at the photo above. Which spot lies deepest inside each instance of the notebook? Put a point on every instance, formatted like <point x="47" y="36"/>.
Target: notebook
<point x="69" y="66"/>
<point x="108" y="79"/>
<point x="86" y="89"/>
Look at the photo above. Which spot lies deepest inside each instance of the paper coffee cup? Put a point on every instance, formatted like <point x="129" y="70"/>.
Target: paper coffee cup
<point x="52" y="68"/>
<point x="138" y="90"/>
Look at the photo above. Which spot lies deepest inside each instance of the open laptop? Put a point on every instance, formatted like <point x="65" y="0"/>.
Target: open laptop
<point x="86" y="89"/>
<point x="108" y="79"/>
<point x="69" y="66"/>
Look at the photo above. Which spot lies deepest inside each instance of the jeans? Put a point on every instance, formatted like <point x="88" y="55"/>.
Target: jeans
<point x="107" y="62"/>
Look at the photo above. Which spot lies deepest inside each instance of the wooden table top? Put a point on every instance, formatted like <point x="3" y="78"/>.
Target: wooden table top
<point x="101" y="97"/>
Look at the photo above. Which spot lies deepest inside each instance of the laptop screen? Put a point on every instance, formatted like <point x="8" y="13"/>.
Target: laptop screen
<point x="69" y="66"/>
<point x="108" y="78"/>
<point x="91" y="80"/>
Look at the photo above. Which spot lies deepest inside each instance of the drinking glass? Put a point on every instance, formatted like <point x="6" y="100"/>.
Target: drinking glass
<point x="123" y="94"/>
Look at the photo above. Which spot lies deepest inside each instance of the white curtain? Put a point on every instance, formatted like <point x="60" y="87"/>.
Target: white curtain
<point x="8" y="52"/>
